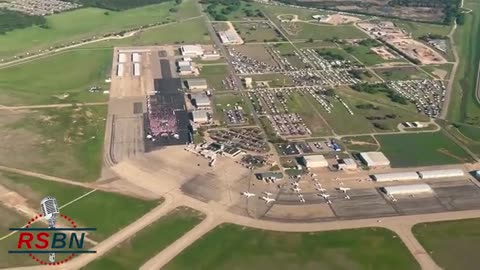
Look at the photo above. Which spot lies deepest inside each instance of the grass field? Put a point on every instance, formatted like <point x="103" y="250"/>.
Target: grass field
<point x="300" y="30"/>
<point x="368" y="57"/>
<point x="466" y="135"/>
<point x="108" y="212"/>
<point x="223" y="102"/>
<point x="234" y="247"/>
<point x="463" y="105"/>
<point x="298" y="104"/>
<point x="10" y="218"/>
<point x="63" y="142"/>
<point x="273" y="80"/>
<point x="134" y="252"/>
<point x="452" y="244"/>
<point x="401" y="73"/>
<point x="360" y="143"/>
<point x="338" y="52"/>
<point x="239" y="14"/>
<point x="421" y="29"/>
<point x="257" y="32"/>
<point x="88" y="22"/>
<point x="427" y="148"/>
<point x="164" y="34"/>
<point x="47" y="80"/>
<point x="439" y="71"/>
<point x="214" y="75"/>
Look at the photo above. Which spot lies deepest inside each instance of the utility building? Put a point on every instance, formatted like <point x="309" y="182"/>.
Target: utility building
<point x="315" y="161"/>
<point x="374" y="159"/>
<point x="441" y="173"/>
<point x="400" y="176"/>
<point x="191" y="50"/>
<point x="408" y="189"/>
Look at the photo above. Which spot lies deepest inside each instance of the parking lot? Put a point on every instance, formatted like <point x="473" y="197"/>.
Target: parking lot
<point x="249" y="139"/>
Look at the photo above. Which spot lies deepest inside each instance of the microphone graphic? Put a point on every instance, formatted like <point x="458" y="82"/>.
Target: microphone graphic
<point x="50" y="212"/>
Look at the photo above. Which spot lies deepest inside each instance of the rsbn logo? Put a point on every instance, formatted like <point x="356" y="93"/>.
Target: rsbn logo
<point x="52" y="240"/>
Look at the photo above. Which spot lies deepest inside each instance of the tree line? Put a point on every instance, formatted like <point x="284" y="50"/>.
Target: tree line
<point x="11" y="20"/>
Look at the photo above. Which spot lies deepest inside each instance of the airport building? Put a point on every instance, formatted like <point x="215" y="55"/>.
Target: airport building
<point x="408" y="189"/>
<point x="200" y="117"/>
<point x="197" y="84"/>
<point x="315" y="161"/>
<point x="201" y="101"/>
<point x="374" y="159"/>
<point x="192" y="50"/>
<point x="400" y="176"/>
<point x="230" y="37"/>
<point x="441" y="173"/>
<point x="347" y="164"/>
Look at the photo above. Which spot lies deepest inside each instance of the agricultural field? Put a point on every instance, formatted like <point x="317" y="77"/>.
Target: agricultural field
<point x="452" y="244"/>
<point x="428" y="149"/>
<point x="84" y="23"/>
<point x="401" y="73"/>
<point x="313" y="119"/>
<point x="257" y="32"/>
<point x="63" y="142"/>
<point x="463" y="105"/>
<point x="38" y="82"/>
<point x="134" y="252"/>
<point x="306" y="31"/>
<point x="116" y="211"/>
<point x="369" y="248"/>
<point x="360" y="143"/>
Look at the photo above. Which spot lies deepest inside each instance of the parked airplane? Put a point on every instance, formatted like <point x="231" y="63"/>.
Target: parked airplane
<point x="325" y="196"/>
<point x="344" y="189"/>
<point x="268" y="200"/>
<point x="248" y="194"/>
<point x="296" y="189"/>
<point x="267" y="193"/>
<point x="347" y="197"/>
<point x="300" y="197"/>
<point x="329" y="202"/>
<point x="321" y="189"/>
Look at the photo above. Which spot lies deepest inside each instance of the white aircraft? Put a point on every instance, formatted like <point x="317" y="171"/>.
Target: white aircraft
<point x="300" y="197"/>
<point x="321" y="189"/>
<point x="325" y="196"/>
<point x="268" y="199"/>
<point x="347" y="197"/>
<point x="248" y="194"/>
<point x="344" y="189"/>
<point x="295" y="184"/>
<point x="267" y="193"/>
<point x="296" y="189"/>
<point x="329" y="202"/>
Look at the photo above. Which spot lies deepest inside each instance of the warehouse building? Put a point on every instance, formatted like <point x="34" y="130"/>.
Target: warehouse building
<point x="408" y="189"/>
<point x="200" y="117"/>
<point x="201" y="101"/>
<point x="197" y="84"/>
<point x="230" y="37"/>
<point x="400" y="176"/>
<point x="441" y="173"/>
<point x="248" y="82"/>
<point x="315" y="161"/>
<point x="191" y="50"/>
<point x="374" y="159"/>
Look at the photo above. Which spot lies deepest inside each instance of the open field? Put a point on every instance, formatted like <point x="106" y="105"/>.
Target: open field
<point x="273" y="80"/>
<point x="134" y="252"/>
<point x="384" y="115"/>
<point x="303" y="14"/>
<point x="360" y="143"/>
<point x="63" y="142"/>
<point x="441" y="72"/>
<point x="337" y="53"/>
<point x="369" y="248"/>
<point x="367" y="57"/>
<point x="418" y="29"/>
<point x="10" y="218"/>
<point x="246" y="11"/>
<point x="108" y="212"/>
<point x="401" y="73"/>
<point x="463" y="105"/>
<point x="298" y="104"/>
<point x="167" y="34"/>
<point x="62" y="78"/>
<point x="452" y="244"/>
<point x="421" y="149"/>
<point x="223" y="102"/>
<point x="214" y="75"/>
<point x="257" y="32"/>
<point x="466" y="135"/>
<point x="300" y="30"/>
<point x="83" y="23"/>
